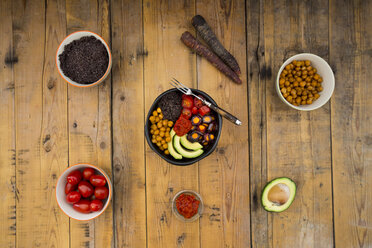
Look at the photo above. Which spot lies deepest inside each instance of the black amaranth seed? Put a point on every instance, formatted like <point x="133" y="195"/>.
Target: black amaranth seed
<point x="171" y="106"/>
<point x="85" y="60"/>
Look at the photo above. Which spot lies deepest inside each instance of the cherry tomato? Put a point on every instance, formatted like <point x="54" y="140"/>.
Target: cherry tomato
<point x="194" y="110"/>
<point x="73" y="197"/>
<point x="85" y="189"/>
<point x="204" y="110"/>
<point x="198" y="103"/>
<point x="186" y="113"/>
<point x="187" y="102"/>
<point x="101" y="193"/>
<point x="96" y="205"/>
<point x="70" y="187"/>
<point x="87" y="173"/>
<point x="83" y="206"/>
<point x="97" y="180"/>
<point x="74" y="177"/>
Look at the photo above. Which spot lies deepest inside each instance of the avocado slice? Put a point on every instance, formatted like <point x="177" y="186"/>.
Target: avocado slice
<point x="190" y="145"/>
<point x="278" y="194"/>
<point x="171" y="150"/>
<point x="182" y="151"/>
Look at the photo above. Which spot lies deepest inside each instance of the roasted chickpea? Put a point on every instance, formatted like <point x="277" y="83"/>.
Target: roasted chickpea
<point x="166" y="152"/>
<point x="159" y="124"/>
<point x="158" y="110"/>
<point x="156" y="132"/>
<point x="155" y="113"/>
<point x="157" y="119"/>
<point x="167" y="139"/>
<point x="161" y="134"/>
<point x="170" y="123"/>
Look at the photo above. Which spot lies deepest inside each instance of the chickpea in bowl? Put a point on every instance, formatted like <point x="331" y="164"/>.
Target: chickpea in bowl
<point x="305" y="82"/>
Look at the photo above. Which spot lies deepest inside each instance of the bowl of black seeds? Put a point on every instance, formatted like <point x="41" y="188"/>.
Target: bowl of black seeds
<point x="83" y="59"/>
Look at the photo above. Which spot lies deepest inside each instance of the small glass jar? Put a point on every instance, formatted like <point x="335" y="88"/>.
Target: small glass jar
<point x="200" y="209"/>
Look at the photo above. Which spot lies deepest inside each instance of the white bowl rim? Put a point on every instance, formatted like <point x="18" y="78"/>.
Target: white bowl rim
<point x="108" y="183"/>
<point x="60" y="50"/>
<point x="332" y="82"/>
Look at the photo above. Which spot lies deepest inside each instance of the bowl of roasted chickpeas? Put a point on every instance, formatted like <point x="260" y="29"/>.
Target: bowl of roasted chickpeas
<point x="305" y="82"/>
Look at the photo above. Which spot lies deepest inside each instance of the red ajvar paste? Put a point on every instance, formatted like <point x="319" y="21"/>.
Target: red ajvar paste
<point x="187" y="205"/>
<point x="182" y="126"/>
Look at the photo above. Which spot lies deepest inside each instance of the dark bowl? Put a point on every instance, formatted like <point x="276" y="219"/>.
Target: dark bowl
<point x="184" y="161"/>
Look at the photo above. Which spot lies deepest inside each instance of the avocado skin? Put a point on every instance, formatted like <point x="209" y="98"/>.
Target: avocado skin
<point x="171" y="147"/>
<point x="292" y="186"/>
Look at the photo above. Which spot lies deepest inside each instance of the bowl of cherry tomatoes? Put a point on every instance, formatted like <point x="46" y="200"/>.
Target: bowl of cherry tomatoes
<point x="83" y="191"/>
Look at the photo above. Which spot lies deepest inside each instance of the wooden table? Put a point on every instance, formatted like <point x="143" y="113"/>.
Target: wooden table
<point x="47" y="125"/>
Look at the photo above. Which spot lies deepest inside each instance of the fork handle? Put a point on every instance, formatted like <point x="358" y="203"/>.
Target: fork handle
<point x="224" y="113"/>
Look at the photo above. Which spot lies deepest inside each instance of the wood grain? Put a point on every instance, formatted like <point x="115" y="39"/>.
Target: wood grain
<point x="257" y="123"/>
<point x="297" y="143"/>
<point x="224" y="175"/>
<point x="350" y="53"/>
<point x="166" y="57"/>
<point x="7" y="130"/>
<point x="128" y="121"/>
<point x="90" y="123"/>
<point x="32" y="210"/>
<point x="54" y="133"/>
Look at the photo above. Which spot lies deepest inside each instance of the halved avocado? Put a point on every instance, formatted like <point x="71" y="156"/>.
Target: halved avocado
<point x="171" y="150"/>
<point x="190" y="145"/>
<point x="182" y="151"/>
<point x="278" y="194"/>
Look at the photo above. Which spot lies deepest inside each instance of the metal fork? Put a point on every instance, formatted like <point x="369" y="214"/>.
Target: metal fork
<point x="187" y="91"/>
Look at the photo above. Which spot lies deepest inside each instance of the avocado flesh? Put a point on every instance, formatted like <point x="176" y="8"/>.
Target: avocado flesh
<point x="278" y="194"/>
<point x="190" y="145"/>
<point x="182" y="151"/>
<point x="171" y="150"/>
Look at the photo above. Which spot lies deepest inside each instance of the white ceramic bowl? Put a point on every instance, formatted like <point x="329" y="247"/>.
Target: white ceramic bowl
<point x="61" y="196"/>
<point x="75" y="36"/>
<point x="323" y="69"/>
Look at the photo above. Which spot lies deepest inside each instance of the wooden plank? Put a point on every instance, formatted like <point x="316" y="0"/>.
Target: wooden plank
<point x="298" y="144"/>
<point x="257" y="122"/>
<point x="128" y="116"/>
<point x="350" y="53"/>
<point x="33" y="210"/>
<point x="90" y="122"/>
<point x="224" y="175"/>
<point x="54" y="134"/>
<point x="166" y="57"/>
<point x="7" y="130"/>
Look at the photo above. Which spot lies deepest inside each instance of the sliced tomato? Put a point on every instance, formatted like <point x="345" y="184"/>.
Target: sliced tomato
<point x="186" y="113"/>
<point x="187" y="102"/>
<point x="194" y="110"/>
<point x="204" y="110"/>
<point x="198" y="103"/>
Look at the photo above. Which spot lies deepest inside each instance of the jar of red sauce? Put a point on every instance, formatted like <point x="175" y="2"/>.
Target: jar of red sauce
<point x="187" y="205"/>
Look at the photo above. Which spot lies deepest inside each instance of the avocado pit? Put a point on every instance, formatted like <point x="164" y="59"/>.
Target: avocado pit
<point x="279" y="194"/>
